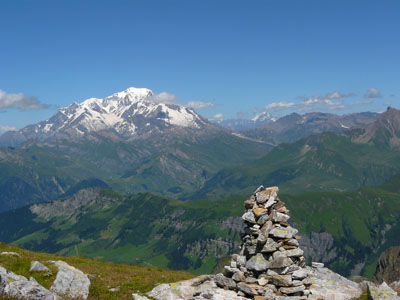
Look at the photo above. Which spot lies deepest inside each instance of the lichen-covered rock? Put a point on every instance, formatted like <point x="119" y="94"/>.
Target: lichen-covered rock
<point x="38" y="267"/>
<point x="17" y="286"/>
<point x="258" y="263"/>
<point x="283" y="232"/>
<point x="139" y="297"/>
<point x="381" y="292"/>
<point x="329" y="285"/>
<point x="70" y="281"/>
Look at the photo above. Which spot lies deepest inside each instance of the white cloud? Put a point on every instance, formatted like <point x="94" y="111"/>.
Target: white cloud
<point x="164" y="97"/>
<point x="373" y="93"/>
<point x="337" y="95"/>
<point x="20" y="101"/>
<point x="199" y="104"/>
<point x="329" y="101"/>
<point x="277" y="106"/>
<point x="218" y="117"/>
<point x="6" y="128"/>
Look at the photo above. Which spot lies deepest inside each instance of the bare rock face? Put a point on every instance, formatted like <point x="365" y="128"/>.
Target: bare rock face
<point x="70" y="281"/>
<point x="19" y="287"/>
<point x="388" y="266"/>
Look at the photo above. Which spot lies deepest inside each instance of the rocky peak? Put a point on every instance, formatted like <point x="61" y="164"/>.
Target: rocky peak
<point x="385" y="131"/>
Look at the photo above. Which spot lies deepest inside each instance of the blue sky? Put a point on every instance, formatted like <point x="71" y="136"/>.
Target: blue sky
<point x="241" y="56"/>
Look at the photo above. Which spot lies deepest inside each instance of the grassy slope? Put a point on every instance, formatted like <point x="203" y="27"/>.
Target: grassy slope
<point x="363" y="222"/>
<point x="41" y="172"/>
<point x="130" y="279"/>
<point x="193" y="235"/>
<point x="144" y="229"/>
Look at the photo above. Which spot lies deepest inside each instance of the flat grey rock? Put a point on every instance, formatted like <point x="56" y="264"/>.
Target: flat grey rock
<point x="283" y="232"/>
<point x="329" y="285"/>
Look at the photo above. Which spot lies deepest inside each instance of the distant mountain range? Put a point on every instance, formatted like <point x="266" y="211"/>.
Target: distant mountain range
<point x="259" y="120"/>
<point x="327" y="161"/>
<point x="293" y="127"/>
<point x="134" y="144"/>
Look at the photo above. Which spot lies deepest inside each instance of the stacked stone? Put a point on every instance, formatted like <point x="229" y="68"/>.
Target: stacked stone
<point x="270" y="264"/>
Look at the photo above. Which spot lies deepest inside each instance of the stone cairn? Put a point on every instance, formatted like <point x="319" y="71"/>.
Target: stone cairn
<point x="270" y="264"/>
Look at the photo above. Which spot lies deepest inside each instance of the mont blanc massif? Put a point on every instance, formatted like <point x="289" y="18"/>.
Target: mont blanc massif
<point x="130" y="180"/>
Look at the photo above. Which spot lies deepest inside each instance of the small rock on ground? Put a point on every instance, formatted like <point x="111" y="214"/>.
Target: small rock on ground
<point x="10" y="253"/>
<point x="38" y="267"/>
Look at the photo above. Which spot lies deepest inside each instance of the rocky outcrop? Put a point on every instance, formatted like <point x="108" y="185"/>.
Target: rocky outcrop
<point x="70" y="281"/>
<point x="380" y="292"/>
<point x="330" y="285"/>
<point x="388" y="269"/>
<point x="20" y="287"/>
<point x="319" y="246"/>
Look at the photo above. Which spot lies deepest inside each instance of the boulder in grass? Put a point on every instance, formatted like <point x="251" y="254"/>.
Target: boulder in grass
<point x="70" y="281"/>
<point x="16" y="286"/>
<point x="38" y="267"/>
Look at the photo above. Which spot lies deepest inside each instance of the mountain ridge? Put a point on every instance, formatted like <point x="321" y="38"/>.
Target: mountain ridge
<point x="324" y="161"/>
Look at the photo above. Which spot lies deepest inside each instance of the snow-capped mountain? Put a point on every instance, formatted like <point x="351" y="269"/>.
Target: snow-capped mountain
<point x="259" y="120"/>
<point x="263" y="118"/>
<point x="131" y="113"/>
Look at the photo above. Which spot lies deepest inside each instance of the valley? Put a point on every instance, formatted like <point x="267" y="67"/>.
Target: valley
<point x="345" y="230"/>
<point x="117" y="195"/>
